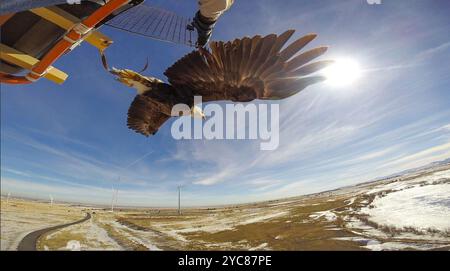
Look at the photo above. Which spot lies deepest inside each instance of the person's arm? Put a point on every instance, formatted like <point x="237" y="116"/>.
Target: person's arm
<point x="207" y="16"/>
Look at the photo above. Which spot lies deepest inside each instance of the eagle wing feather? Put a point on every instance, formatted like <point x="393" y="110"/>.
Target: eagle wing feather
<point x="249" y="68"/>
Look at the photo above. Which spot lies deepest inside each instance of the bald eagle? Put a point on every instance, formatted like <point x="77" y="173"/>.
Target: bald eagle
<point x="239" y="71"/>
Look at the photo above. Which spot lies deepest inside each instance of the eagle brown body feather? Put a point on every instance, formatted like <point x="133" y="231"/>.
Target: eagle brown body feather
<point x="240" y="71"/>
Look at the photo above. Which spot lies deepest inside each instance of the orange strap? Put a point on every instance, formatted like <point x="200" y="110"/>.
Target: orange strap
<point x="12" y="79"/>
<point x="72" y="37"/>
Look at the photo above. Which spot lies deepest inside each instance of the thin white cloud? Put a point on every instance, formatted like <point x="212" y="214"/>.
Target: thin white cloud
<point x="69" y="163"/>
<point x="422" y="157"/>
<point x="416" y="60"/>
<point x="443" y="48"/>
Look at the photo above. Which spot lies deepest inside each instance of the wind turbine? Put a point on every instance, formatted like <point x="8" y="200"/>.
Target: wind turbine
<point x="7" y="198"/>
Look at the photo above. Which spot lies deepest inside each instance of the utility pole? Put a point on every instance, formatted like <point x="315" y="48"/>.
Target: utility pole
<point x="116" y="197"/>
<point x="179" y="200"/>
<point x="113" y="199"/>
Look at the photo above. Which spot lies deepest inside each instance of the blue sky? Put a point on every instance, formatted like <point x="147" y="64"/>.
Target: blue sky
<point x="71" y="141"/>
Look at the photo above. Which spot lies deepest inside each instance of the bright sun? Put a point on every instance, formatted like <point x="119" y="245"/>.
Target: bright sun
<point x="343" y="72"/>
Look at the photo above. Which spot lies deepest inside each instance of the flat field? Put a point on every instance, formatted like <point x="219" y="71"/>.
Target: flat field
<point x="408" y="212"/>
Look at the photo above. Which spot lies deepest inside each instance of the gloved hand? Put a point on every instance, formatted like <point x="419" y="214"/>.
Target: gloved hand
<point x="204" y="28"/>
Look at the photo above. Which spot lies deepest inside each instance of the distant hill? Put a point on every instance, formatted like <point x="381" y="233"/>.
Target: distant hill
<point x="430" y="165"/>
<point x="408" y="171"/>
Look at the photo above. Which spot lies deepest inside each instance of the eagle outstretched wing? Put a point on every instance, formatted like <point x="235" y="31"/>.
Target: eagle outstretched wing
<point x="241" y="71"/>
<point x="250" y="68"/>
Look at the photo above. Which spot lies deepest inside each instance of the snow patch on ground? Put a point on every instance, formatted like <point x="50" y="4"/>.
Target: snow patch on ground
<point x="216" y="224"/>
<point x="263" y="246"/>
<point x="361" y="240"/>
<point x="94" y="237"/>
<point x="422" y="207"/>
<point x="262" y="218"/>
<point x="350" y="201"/>
<point x="73" y="245"/>
<point x="143" y="238"/>
<point x="328" y="215"/>
<point x="377" y="246"/>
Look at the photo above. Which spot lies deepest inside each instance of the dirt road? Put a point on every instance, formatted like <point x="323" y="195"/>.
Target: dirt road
<point x="29" y="242"/>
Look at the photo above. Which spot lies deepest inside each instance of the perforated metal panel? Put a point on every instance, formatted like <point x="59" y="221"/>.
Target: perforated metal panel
<point x="155" y="23"/>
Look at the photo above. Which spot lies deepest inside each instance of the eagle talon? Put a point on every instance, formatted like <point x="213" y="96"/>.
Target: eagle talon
<point x="204" y="28"/>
